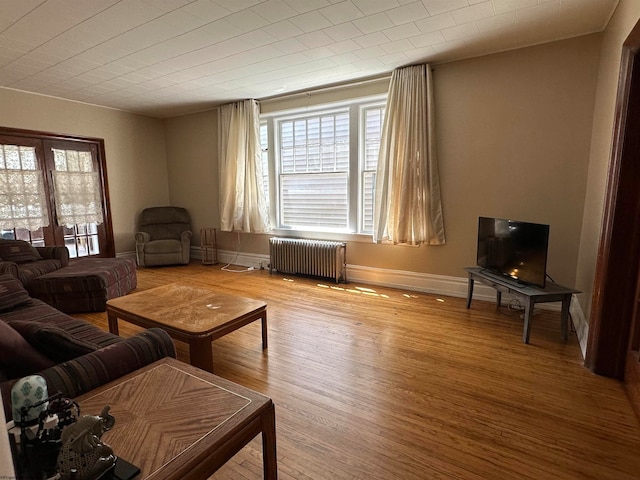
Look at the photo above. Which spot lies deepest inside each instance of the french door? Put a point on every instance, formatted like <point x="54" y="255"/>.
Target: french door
<point x="63" y="163"/>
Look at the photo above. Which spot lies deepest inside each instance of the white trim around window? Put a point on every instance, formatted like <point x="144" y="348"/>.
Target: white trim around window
<point x="321" y="168"/>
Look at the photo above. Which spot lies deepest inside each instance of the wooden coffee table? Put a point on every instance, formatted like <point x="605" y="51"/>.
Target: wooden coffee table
<point x="189" y="314"/>
<point x="177" y="422"/>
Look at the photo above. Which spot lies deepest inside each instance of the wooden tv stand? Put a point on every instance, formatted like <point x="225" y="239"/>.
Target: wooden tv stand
<point x="530" y="295"/>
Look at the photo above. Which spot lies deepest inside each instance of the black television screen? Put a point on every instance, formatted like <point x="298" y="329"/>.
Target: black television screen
<point x="515" y="249"/>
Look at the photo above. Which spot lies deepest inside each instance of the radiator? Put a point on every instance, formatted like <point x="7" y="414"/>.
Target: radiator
<point x="309" y="257"/>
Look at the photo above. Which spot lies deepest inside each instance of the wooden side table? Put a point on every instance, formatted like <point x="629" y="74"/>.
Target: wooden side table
<point x="208" y="246"/>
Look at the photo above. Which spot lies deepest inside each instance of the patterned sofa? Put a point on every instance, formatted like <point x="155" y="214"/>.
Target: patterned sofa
<point x="27" y="263"/>
<point x="72" y="355"/>
<point x="79" y="285"/>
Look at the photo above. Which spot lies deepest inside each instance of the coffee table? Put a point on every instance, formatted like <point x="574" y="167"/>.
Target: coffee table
<point x="189" y="314"/>
<point x="177" y="422"/>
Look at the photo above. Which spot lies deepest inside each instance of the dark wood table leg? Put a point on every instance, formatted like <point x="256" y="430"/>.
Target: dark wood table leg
<point x="498" y="299"/>
<point x="528" y="314"/>
<point x="200" y="353"/>
<point x="264" y="330"/>
<point x="470" y="291"/>
<point x="113" y="323"/>
<point x="564" y="317"/>
<point x="269" y="456"/>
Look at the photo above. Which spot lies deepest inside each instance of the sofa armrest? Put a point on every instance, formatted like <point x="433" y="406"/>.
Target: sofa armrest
<point x="102" y="366"/>
<point x="56" y="252"/>
<point x="185" y="237"/>
<point x="9" y="267"/>
<point x="142" y="237"/>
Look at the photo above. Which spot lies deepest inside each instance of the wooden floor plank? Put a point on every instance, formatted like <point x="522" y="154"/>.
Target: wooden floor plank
<point x="378" y="383"/>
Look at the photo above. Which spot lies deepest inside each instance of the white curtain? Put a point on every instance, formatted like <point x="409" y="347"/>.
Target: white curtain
<point x="243" y="205"/>
<point x="408" y="205"/>
<point x="78" y="199"/>
<point x="22" y="200"/>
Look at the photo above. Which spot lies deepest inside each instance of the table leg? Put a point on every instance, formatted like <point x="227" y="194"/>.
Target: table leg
<point x="498" y="299"/>
<point x="113" y="323"/>
<point x="200" y="353"/>
<point x="528" y="313"/>
<point x="564" y="317"/>
<point x="269" y="457"/>
<point x="264" y="330"/>
<point x="469" y="292"/>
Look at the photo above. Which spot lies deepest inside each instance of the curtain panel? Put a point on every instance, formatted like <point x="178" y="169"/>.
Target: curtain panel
<point x="78" y="199"/>
<point x="408" y="204"/>
<point x="22" y="200"/>
<point x="243" y="205"/>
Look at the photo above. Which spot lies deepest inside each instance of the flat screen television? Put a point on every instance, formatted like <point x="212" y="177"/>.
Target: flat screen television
<point x="517" y="250"/>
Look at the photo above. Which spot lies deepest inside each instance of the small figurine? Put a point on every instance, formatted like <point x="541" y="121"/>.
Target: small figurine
<point x="83" y="455"/>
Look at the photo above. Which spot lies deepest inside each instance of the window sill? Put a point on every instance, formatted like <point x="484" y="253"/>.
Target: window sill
<point x="313" y="235"/>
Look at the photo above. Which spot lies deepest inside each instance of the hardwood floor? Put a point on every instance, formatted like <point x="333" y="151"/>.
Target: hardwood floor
<point x="376" y="383"/>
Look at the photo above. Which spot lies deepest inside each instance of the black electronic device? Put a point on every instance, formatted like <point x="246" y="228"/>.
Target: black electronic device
<point x="514" y="249"/>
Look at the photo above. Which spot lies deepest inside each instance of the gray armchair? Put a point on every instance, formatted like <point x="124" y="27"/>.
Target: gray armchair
<point x="164" y="237"/>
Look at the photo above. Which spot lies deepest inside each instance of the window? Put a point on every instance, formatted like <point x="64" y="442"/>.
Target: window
<point x="75" y="200"/>
<point x="324" y="167"/>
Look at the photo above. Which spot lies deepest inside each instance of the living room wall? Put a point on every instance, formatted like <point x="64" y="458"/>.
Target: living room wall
<point x="134" y="149"/>
<point x="513" y="133"/>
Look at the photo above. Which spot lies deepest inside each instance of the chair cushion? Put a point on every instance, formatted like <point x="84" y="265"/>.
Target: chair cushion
<point x="52" y="341"/>
<point x="162" y="247"/>
<point x="18" y="251"/>
<point x="17" y="357"/>
<point x="12" y="293"/>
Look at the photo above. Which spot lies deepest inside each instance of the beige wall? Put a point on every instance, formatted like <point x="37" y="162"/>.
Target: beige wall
<point x="623" y="20"/>
<point x="513" y="132"/>
<point x="193" y="171"/>
<point x="134" y="147"/>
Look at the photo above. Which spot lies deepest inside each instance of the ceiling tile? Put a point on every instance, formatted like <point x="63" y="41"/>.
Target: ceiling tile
<point x="473" y="13"/>
<point x="373" y="23"/>
<point x="304" y="6"/>
<point x="502" y="6"/>
<point x="428" y="39"/>
<point x="407" y="13"/>
<point x="311" y="21"/>
<point x="371" y="39"/>
<point x="341" y="12"/>
<point x="369" y="7"/>
<point x="438" y="22"/>
<point x="436" y="7"/>
<point x="275" y="10"/>
<point x="460" y="31"/>
<point x="314" y="39"/>
<point x="343" y="31"/>
<point x="402" y="31"/>
<point x="282" y="30"/>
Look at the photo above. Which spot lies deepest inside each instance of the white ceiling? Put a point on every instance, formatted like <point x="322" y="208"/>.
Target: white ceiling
<point x="169" y="57"/>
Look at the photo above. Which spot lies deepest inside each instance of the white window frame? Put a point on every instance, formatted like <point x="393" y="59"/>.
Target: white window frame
<point x="356" y="108"/>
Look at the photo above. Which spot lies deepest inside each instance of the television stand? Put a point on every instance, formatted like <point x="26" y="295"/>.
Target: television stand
<point x="530" y="295"/>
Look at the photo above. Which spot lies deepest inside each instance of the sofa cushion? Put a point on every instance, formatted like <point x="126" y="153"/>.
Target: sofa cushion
<point x="12" y="293"/>
<point x="54" y="342"/>
<point x="17" y="357"/>
<point x="18" y="251"/>
<point x="28" y="272"/>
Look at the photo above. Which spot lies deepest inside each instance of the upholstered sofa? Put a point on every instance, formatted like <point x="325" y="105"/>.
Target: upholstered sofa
<point x="28" y="263"/>
<point x="72" y="355"/>
<point x="77" y="285"/>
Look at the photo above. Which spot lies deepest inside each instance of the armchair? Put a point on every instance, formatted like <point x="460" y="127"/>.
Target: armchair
<point x="163" y="237"/>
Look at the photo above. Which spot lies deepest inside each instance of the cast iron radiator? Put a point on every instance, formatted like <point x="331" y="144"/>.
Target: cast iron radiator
<point x="317" y="258"/>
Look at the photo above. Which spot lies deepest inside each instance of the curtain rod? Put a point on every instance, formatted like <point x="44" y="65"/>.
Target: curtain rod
<point x="326" y="88"/>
